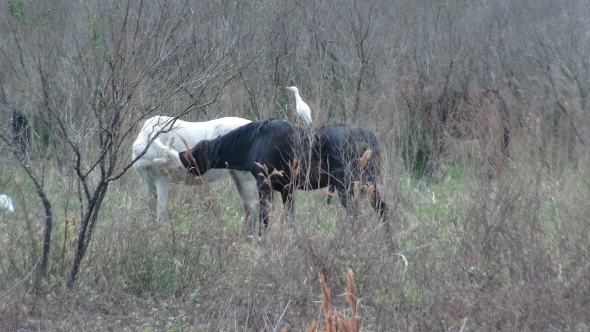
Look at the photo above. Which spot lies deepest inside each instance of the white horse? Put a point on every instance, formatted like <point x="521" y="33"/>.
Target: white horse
<point x="187" y="134"/>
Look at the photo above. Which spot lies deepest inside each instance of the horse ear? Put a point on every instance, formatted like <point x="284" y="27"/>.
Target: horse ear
<point x="158" y="143"/>
<point x="171" y="142"/>
<point x="164" y="148"/>
<point x="169" y="153"/>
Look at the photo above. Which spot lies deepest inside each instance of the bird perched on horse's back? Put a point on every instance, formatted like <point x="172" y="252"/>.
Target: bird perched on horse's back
<point x="302" y="108"/>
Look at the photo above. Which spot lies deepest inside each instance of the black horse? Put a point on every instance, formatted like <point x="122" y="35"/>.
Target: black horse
<point x="284" y="157"/>
<point x="20" y="131"/>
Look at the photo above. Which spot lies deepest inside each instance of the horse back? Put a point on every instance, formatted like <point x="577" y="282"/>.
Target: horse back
<point x="260" y="142"/>
<point x="350" y="150"/>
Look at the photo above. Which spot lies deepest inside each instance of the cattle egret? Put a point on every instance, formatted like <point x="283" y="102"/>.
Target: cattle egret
<point x="302" y="108"/>
<point x="6" y="203"/>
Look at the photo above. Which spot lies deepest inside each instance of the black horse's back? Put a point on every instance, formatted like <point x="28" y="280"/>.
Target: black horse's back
<point x="273" y="132"/>
<point x="254" y="130"/>
<point x="343" y="147"/>
<point x="275" y="127"/>
<point x="239" y="148"/>
<point x="246" y="137"/>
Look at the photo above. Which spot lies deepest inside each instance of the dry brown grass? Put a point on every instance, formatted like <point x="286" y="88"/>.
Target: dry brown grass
<point x="335" y="320"/>
<point x="508" y="254"/>
<point x="470" y="254"/>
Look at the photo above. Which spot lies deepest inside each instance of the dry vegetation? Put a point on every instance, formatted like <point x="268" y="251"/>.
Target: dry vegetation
<point x="478" y="247"/>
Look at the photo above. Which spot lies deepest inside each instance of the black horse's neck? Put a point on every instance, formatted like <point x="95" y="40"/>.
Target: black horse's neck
<point x="232" y="150"/>
<point x="228" y="151"/>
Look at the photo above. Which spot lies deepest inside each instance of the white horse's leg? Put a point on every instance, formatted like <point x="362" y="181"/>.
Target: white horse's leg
<point x="163" y="190"/>
<point x="152" y="196"/>
<point x="248" y="190"/>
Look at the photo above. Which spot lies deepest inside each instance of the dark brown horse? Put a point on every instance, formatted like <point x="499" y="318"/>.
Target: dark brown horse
<point x="481" y="115"/>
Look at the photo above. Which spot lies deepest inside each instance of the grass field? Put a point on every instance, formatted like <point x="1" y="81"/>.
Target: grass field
<point x="470" y="255"/>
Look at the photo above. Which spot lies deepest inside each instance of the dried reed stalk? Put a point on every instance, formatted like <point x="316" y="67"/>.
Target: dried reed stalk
<point x="364" y="159"/>
<point x="335" y="320"/>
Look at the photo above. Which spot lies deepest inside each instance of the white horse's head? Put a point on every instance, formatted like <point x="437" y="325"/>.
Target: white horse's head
<point x="169" y="154"/>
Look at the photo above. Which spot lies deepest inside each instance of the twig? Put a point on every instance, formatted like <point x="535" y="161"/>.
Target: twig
<point x="281" y="317"/>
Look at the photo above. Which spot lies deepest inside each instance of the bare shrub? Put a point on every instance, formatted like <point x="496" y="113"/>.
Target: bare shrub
<point x="470" y="254"/>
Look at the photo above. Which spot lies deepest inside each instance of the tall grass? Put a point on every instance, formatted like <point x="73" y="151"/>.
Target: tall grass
<point x="470" y="254"/>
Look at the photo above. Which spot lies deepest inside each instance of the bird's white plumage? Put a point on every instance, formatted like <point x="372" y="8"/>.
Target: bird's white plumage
<point x="6" y="203"/>
<point x="302" y="108"/>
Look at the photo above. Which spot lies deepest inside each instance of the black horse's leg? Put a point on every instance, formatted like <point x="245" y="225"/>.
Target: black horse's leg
<point x="379" y="205"/>
<point x="331" y="191"/>
<point x="382" y="209"/>
<point x="264" y="194"/>
<point x="288" y="202"/>
<point x="345" y="194"/>
<point x="339" y="184"/>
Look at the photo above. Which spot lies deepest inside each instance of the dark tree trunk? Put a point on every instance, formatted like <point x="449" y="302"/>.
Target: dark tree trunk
<point x="86" y="230"/>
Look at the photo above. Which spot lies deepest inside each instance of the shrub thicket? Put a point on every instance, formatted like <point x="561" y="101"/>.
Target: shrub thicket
<point x="479" y="244"/>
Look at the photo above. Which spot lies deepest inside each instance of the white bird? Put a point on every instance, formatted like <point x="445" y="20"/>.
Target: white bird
<point x="6" y="203"/>
<point x="302" y="108"/>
